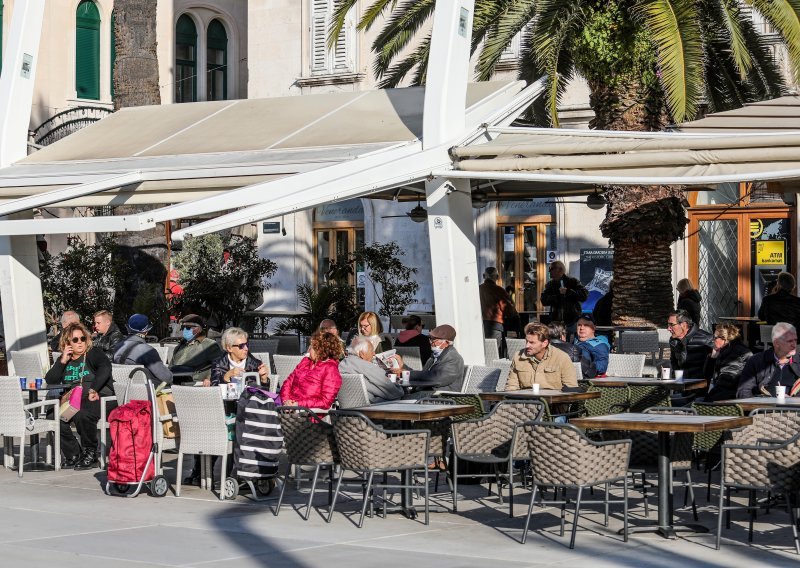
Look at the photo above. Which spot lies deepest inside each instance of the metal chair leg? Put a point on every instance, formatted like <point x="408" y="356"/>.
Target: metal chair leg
<point x="530" y="512"/>
<point x="625" y="509"/>
<point x="690" y="489"/>
<point x="335" y="496"/>
<point x="605" y="522"/>
<point x="311" y="495"/>
<point x="575" y="520"/>
<point x="455" y="483"/>
<point x="367" y="494"/>
<point x="277" y="509"/>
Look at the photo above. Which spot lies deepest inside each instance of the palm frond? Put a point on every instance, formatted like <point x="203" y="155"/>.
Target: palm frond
<point x="395" y="74"/>
<point x="723" y="83"/>
<point x="675" y="30"/>
<point x="765" y="77"/>
<point x="728" y="20"/>
<point x="500" y="35"/>
<point x="403" y="25"/>
<point x="340" y="11"/>
<point x="784" y="16"/>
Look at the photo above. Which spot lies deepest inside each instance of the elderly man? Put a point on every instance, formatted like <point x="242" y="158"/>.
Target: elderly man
<point x="772" y="367"/>
<point x="497" y="309"/>
<point x="596" y="349"/>
<point x="689" y="345"/>
<point x="68" y="317"/>
<point x="359" y="360"/>
<point x="444" y="370"/>
<point x="541" y="363"/>
<point x="564" y="294"/>
<point x="412" y="336"/>
<point x="781" y="305"/>
<point x="196" y="352"/>
<point x="106" y="333"/>
<point x="134" y="350"/>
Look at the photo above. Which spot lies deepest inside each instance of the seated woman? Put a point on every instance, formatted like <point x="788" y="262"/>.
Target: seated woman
<point x="725" y="363"/>
<point x="81" y="364"/>
<point x="316" y="380"/>
<point x="596" y="349"/>
<point x="237" y="359"/>
<point x="369" y="326"/>
<point x="359" y="360"/>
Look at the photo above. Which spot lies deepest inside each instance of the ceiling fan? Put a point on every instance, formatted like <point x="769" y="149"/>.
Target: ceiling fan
<point x="418" y="214"/>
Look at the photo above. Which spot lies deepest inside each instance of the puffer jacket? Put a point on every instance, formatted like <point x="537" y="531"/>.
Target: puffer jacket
<point x="597" y="350"/>
<point x="108" y="342"/>
<point x="725" y="370"/>
<point x="314" y="385"/>
<point x="690" y="301"/>
<point x="689" y="353"/>
<point x="222" y="365"/>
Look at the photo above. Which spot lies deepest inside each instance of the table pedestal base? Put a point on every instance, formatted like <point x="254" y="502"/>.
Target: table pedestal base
<point x="667" y="531"/>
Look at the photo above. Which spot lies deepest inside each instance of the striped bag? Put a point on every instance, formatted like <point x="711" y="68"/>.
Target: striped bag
<point x="258" y="436"/>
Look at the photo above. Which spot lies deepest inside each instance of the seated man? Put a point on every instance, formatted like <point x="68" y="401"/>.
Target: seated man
<point x="359" y="360"/>
<point x="412" y="336"/>
<point x="558" y="339"/>
<point x="541" y="363"/>
<point x="772" y="367"/>
<point x="689" y="346"/>
<point x="195" y="352"/>
<point x="106" y="333"/>
<point x="596" y="349"/>
<point x="444" y="370"/>
<point x="330" y="326"/>
<point x="68" y="317"/>
<point x="133" y="350"/>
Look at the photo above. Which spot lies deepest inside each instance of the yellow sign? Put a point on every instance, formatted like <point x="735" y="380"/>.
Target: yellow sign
<point x="770" y="253"/>
<point x="756" y="228"/>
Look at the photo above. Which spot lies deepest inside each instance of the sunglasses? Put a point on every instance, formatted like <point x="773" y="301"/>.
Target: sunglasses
<point x="244" y="345"/>
<point x="189" y="326"/>
<point x="81" y="339"/>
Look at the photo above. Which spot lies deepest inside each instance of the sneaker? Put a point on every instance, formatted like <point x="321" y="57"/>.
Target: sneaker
<point x="69" y="462"/>
<point x="87" y="461"/>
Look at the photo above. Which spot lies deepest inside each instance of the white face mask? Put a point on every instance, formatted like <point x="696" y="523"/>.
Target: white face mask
<point x="436" y="351"/>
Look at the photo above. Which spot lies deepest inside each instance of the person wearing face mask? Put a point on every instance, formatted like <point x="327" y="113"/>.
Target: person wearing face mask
<point x="195" y="352"/>
<point x="444" y="370"/>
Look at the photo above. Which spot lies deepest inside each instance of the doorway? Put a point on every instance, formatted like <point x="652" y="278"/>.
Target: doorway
<point x="522" y="249"/>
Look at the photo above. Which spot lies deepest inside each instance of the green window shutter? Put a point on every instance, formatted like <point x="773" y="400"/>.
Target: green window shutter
<point x="113" y="53"/>
<point x="217" y="62"/>
<point x="87" y="51"/>
<point x="185" y="60"/>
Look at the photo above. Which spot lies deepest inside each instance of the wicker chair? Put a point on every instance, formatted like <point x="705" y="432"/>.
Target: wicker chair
<point x="123" y="372"/>
<point x="613" y="400"/>
<point x="266" y="358"/>
<point x="642" y="397"/>
<point x="641" y="342"/>
<point x="625" y="365"/>
<point x="287" y="345"/>
<point x="204" y="431"/>
<point x="18" y="420"/>
<point x="765" y="335"/>
<point x="365" y="448"/>
<point x="710" y="443"/>
<point x="663" y="342"/>
<point x="164" y="351"/>
<point x="505" y="369"/>
<point x="514" y="346"/>
<point x="308" y="441"/>
<point x="562" y="457"/>
<point x="285" y="364"/>
<point x="411" y="357"/>
<point x="491" y="350"/>
<point x="756" y="460"/>
<point x="353" y="393"/>
<point x="26" y="364"/>
<point x="480" y="379"/>
<point x="490" y="440"/>
<point x="263" y="346"/>
<point x="472" y="400"/>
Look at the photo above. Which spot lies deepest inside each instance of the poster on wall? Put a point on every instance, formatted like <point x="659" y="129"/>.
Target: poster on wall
<point x="597" y="266"/>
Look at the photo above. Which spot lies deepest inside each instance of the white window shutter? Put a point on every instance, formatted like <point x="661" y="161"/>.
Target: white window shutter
<point x="340" y="58"/>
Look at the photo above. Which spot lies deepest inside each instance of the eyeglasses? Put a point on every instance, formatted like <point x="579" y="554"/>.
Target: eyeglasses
<point x="718" y="337"/>
<point x="81" y="339"/>
<point x="672" y="324"/>
<point x="244" y="345"/>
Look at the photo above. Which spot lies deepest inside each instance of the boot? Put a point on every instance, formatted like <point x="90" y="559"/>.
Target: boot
<point x="88" y="460"/>
<point x="69" y="462"/>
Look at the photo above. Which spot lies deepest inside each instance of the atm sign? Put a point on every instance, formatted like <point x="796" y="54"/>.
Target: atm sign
<point x="770" y="253"/>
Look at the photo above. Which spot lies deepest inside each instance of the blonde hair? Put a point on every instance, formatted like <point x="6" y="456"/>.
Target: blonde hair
<point x="684" y="285"/>
<point x="66" y="335"/>
<point x="727" y="331"/>
<point x="374" y="322"/>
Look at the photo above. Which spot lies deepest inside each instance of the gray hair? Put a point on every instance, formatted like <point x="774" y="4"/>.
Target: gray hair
<point x="231" y="336"/>
<point x="359" y="345"/>
<point x="785" y="281"/>
<point x="780" y="328"/>
<point x="68" y="317"/>
<point x="682" y="316"/>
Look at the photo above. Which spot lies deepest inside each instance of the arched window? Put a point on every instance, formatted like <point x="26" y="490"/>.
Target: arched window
<point x="113" y="52"/>
<point x="185" y="60"/>
<point x="87" y="51"/>
<point x="217" y="61"/>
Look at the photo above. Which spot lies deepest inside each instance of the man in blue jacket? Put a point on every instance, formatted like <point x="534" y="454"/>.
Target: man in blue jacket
<point x="594" y="348"/>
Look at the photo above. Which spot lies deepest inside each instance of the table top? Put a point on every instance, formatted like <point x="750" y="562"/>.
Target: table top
<point x="671" y="384"/>
<point x="46" y="387"/>
<point x="402" y="411"/>
<point x="662" y="422"/>
<point x="626" y="328"/>
<point x="551" y="396"/>
<point x="749" y="404"/>
<point x="739" y="318"/>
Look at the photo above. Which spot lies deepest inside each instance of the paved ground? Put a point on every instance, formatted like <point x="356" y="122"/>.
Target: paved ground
<point x="64" y="519"/>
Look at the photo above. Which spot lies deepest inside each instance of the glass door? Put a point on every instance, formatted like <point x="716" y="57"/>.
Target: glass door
<point x="522" y="268"/>
<point x="333" y="245"/>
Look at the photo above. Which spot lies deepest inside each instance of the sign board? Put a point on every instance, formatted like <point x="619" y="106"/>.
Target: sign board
<point x="597" y="268"/>
<point x="27" y="66"/>
<point x="270" y="227"/>
<point x="552" y="256"/>
<point x="508" y="242"/>
<point x="348" y="210"/>
<point x="770" y="253"/>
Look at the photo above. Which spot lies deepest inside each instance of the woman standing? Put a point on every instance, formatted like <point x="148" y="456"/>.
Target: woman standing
<point x="369" y="326"/>
<point x="316" y="380"/>
<point x="724" y="365"/>
<point x="86" y="366"/>
<point x="689" y="299"/>
<point x="237" y="359"/>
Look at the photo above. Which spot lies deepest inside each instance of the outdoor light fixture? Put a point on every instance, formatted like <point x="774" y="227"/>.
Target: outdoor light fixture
<point x="479" y="199"/>
<point x="595" y="201"/>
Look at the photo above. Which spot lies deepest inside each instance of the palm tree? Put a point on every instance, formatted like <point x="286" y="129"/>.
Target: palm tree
<point x="647" y="63"/>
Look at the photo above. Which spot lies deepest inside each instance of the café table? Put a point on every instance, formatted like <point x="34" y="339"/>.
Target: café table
<point x="550" y="396"/>
<point x="679" y="385"/>
<point x="411" y="413"/>
<point x="749" y="404"/>
<point x="664" y="425"/>
<point x="33" y="396"/>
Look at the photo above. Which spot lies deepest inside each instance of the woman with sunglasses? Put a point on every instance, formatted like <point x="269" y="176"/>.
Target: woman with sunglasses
<point x="725" y="363"/>
<point x="83" y="365"/>
<point x="237" y="359"/>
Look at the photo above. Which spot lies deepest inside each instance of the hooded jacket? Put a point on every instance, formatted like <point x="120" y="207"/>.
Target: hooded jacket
<point x="690" y="301"/>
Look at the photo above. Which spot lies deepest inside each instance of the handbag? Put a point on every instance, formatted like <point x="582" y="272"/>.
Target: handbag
<point x="71" y="403"/>
<point x="166" y="406"/>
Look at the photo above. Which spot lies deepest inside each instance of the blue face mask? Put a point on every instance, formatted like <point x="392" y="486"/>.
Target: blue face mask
<point x="436" y="351"/>
<point x="188" y="334"/>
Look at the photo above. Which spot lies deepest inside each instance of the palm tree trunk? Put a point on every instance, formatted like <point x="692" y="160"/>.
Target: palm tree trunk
<point x="136" y="64"/>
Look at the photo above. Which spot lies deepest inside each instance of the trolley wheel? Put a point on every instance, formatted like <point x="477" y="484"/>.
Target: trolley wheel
<point x="159" y="486"/>
<point x="265" y="486"/>
<point x="230" y="488"/>
<point x="122" y="487"/>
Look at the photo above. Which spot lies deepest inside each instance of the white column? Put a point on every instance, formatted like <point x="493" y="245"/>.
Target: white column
<point x="20" y="288"/>
<point x="454" y="264"/>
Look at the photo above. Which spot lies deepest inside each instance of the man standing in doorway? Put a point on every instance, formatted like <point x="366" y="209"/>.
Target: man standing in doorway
<point x="496" y="308"/>
<point x="781" y="305"/>
<point x="564" y="294"/>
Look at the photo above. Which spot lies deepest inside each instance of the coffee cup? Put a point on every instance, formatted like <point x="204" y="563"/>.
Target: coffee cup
<point x="535" y="387"/>
<point x="665" y="373"/>
<point x="392" y="377"/>
<point x="224" y="390"/>
<point x="678" y="374"/>
<point x="780" y="391"/>
<point x="406" y="375"/>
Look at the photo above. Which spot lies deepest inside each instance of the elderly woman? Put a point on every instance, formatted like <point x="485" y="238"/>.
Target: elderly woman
<point x="725" y="363"/>
<point x="359" y="360"/>
<point x="86" y="366"/>
<point x="237" y="359"/>
<point x="316" y="380"/>
<point x="369" y="326"/>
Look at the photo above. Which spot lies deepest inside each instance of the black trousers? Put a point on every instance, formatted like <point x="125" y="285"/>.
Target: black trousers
<point x="85" y="422"/>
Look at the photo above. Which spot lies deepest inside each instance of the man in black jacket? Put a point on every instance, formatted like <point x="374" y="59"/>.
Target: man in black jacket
<point x="768" y="369"/>
<point x="106" y="333"/>
<point x="781" y="305"/>
<point x="444" y="370"/>
<point x="564" y="294"/>
<point x="689" y="345"/>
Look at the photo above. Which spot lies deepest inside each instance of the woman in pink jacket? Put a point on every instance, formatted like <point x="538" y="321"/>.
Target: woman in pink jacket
<point x="315" y="381"/>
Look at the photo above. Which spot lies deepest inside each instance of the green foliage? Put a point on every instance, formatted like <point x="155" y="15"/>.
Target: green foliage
<point x="391" y="280"/>
<point x="330" y="301"/>
<point x="218" y="288"/>
<point x="84" y="278"/>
